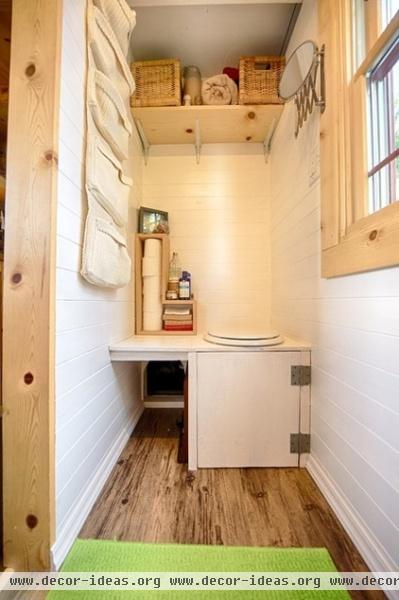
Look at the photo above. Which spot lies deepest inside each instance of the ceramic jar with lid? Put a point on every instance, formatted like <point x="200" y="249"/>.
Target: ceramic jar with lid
<point x="192" y="84"/>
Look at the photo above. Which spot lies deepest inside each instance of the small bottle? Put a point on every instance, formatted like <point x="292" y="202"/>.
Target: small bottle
<point x="185" y="286"/>
<point x="174" y="268"/>
<point x="192" y="84"/>
<point x="174" y="274"/>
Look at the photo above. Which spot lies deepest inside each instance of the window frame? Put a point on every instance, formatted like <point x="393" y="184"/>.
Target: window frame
<point x="382" y="77"/>
<point x="352" y="240"/>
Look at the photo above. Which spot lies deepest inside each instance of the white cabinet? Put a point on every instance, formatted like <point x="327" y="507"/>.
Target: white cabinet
<point x="247" y="409"/>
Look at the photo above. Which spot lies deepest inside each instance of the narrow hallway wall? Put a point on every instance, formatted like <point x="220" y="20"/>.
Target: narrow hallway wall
<point x="353" y="325"/>
<point x="97" y="402"/>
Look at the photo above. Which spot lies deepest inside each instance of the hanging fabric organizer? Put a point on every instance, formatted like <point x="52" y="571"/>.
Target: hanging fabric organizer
<point x="106" y="181"/>
<point x="106" y="52"/>
<point x="105" y="259"/>
<point x="109" y="113"/>
<point x="121" y="18"/>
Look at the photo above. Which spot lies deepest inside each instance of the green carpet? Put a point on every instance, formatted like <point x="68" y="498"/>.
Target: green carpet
<point x="100" y="555"/>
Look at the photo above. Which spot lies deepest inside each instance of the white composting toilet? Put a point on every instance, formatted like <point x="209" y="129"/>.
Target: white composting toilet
<point x="244" y="338"/>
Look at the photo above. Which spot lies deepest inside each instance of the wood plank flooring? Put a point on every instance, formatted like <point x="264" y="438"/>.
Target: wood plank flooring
<point x="23" y="595"/>
<point x="149" y="497"/>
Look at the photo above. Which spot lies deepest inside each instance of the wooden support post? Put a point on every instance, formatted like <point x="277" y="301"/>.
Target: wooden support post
<point x="29" y="285"/>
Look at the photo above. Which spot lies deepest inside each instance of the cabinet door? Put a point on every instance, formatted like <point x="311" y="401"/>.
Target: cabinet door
<point x="247" y="409"/>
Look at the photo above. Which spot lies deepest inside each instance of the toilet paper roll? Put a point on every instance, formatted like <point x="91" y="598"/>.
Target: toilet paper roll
<point x="151" y="274"/>
<point x="151" y="266"/>
<point x="152" y="248"/>
<point x="152" y="305"/>
<point x="152" y="321"/>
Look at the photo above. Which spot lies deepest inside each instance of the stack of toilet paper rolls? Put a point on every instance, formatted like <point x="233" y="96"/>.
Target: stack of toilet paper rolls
<point x="151" y="273"/>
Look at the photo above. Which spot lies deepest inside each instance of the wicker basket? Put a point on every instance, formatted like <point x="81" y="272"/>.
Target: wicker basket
<point x="158" y="83"/>
<point x="260" y="78"/>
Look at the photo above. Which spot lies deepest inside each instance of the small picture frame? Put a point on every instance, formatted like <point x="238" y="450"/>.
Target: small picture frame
<point x="152" y="220"/>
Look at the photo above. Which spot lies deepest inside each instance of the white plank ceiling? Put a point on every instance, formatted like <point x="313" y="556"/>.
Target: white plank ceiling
<point x="211" y="36"/>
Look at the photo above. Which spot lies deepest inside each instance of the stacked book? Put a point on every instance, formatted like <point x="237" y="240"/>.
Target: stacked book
<point x="177" y="319"/>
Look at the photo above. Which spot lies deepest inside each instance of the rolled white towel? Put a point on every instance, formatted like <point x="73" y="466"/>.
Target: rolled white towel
<point x="219" y="89"/>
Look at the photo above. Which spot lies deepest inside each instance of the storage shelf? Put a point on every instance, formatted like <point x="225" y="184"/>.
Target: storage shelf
<point x="217" y="124"/>
<point x="151" y="236"/>
<point x="179" y="302"/>
<point x="140" y="239"/>
<point x="193" y="305"/>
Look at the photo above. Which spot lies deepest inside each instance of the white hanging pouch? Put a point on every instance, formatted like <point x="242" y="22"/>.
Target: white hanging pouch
<point x="106" y="181"/>
<point x="105" y="260"/>
<point x="107" y="54"/>
<point x="121" y="18"/>
<point x="109" y="113"/>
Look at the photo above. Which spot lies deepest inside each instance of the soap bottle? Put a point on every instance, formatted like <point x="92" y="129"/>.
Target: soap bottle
<point x="174" y="276"/>
<point x="185" y="286"/>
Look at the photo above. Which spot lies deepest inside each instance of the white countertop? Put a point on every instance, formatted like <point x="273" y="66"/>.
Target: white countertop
<point x="146" y="345"/>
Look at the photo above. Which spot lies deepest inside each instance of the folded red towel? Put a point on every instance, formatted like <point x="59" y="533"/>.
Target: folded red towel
<point x="188" y="327"/>
<point x="233" y="73"/>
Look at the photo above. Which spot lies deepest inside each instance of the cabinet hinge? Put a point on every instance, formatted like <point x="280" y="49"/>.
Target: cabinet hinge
<point x="300" y="443"/>
<point x="301" y="375"/>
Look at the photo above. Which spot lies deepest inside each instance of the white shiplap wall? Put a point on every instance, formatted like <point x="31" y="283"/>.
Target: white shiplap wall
<point x="96" y="401"/>
<point x="219" y="219"/>
<point x="353" y="324"/>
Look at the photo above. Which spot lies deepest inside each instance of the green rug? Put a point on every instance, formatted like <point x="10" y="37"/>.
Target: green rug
<point x="107" y="556"/>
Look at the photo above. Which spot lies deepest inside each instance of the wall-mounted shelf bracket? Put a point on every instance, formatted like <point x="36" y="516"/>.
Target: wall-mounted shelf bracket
<point x="200" y="125"/>
<point x="198" y="143"/>
<point x="267" y="143"/>
<point x="311" y="93"/>
<point x="143" y="139"/>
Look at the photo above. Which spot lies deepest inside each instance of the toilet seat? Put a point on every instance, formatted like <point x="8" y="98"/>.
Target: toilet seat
<point x="244" y="338"/>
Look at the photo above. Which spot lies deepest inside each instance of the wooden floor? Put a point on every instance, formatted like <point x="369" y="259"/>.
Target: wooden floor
<point x="151" y="498"/>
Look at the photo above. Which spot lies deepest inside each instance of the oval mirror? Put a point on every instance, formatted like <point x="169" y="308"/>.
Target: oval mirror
<point x="297" y="70"/>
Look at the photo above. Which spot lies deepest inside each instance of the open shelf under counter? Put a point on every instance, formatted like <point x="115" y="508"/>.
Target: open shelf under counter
<point x="207" y="124"/>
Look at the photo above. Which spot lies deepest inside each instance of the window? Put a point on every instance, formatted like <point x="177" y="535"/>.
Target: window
<point x="359" y="41"/>
<point x="388" y="9"/>
<point x="360" y="136"/>
<point x="383" y="130"/>
<point x="369" y="19"/>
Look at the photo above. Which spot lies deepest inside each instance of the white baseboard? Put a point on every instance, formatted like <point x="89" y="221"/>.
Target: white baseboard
<point x="159" y="401"/>
<point x="81" y="511"/>
<point x="303" y="460"/>
<point x="163" y="404"/>
<point x="373" y="553"/>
